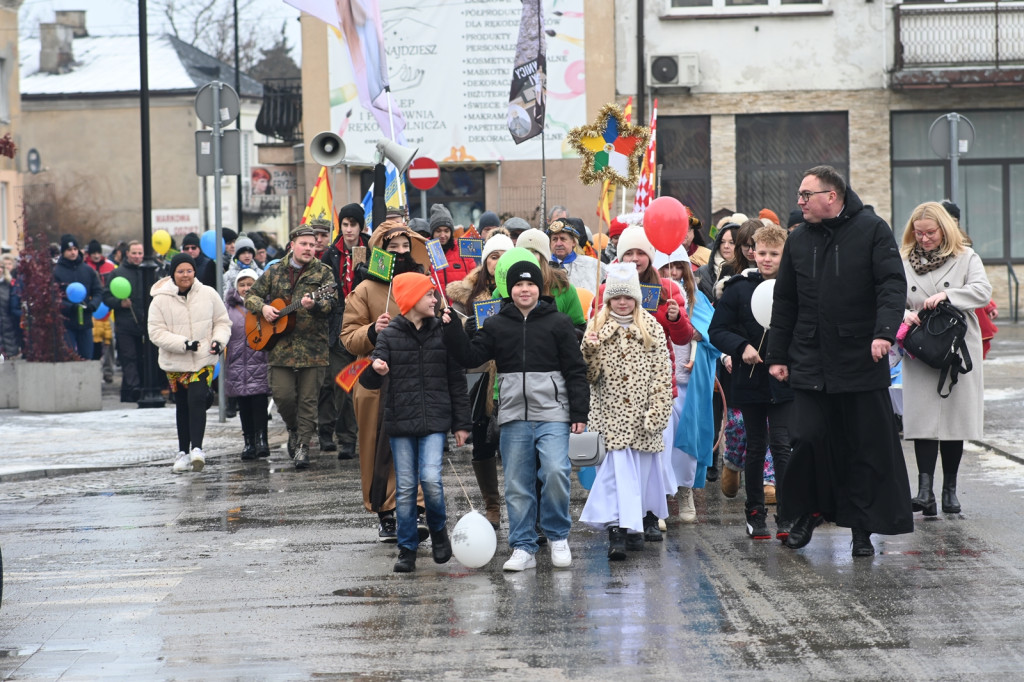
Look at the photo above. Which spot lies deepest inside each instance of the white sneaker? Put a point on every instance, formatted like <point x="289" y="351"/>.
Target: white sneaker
<point x="181" y="464"/>
<point x="561" y="557"/>
<point x="520" y="561"/>
<point x="687" y="512"/>
<point x="198" y="459"/>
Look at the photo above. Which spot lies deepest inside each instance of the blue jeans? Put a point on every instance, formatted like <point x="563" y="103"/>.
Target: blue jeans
<point x="522" y="444"/>
<point x="81" y="341"/>
<point x="418" y="462"/>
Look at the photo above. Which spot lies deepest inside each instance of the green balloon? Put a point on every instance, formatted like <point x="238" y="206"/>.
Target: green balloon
<point x="121" y="288"/>
<point x="507" y="260"/>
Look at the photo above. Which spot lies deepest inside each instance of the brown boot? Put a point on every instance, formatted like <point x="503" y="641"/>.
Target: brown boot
<point x="486" y="471"/>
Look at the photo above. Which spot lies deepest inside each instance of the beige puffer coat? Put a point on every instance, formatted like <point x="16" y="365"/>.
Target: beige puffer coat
<point x="173" y="320"/>
<point x="631" y="386"/>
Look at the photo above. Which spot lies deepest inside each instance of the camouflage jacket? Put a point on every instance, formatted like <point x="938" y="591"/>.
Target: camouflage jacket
<point x="306" y="345"/>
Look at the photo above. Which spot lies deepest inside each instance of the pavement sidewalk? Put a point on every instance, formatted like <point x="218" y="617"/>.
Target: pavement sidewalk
<point x="120" y="435"/>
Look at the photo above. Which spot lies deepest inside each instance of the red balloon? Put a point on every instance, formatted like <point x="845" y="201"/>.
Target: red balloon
<point x="666" y="222"/>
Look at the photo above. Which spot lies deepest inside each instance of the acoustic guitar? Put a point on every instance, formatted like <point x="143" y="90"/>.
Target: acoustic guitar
<point x="262" y="335"/>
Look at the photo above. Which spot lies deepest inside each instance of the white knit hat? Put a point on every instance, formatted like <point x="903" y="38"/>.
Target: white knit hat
<point x="635" y="238"/>
<point x="536" y="240"/>
<point x="246" y="272"/>
<point x="622" y="280"/>
<point x="497" y="242"/>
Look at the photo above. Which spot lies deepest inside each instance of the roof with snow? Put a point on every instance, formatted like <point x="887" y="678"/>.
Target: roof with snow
<point x="109" y="65"/>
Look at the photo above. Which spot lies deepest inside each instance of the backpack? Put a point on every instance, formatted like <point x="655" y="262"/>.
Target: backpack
<point x="939" y="343"/>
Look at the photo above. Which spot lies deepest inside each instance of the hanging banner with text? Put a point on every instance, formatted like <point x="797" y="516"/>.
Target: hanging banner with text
<point x="450" y="64"/>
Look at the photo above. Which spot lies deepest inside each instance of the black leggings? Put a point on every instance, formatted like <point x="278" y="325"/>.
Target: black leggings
<point x="766" y="424"/>
<point x="927" y="453"/>
<point x="190" y="405"/>
<point x="252" y="410"/>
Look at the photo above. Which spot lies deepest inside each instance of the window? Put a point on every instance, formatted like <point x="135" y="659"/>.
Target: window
<point x="5" y="107"/>
<point x="774" y="150"/>
<point x="684" y="152"/>
<point x="990" y="189"/>
<point x="729" y="6"/>
<point x="461" y="190"/>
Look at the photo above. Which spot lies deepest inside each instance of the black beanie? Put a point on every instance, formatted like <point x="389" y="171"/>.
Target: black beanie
<point x="180" y="258"/>
<point x="796" y="216"/>
<point x="94" y="247"/>
<point x="190" y="239"/>
<point x="524" y="270"/>
<point x="353" y="212"/>
<point x="488" y="219"/>
<point x="67" y="241"/>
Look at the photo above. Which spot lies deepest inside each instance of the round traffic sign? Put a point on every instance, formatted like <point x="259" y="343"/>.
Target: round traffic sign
<point x="228" y="104"/>
<point x="424" y="173"/>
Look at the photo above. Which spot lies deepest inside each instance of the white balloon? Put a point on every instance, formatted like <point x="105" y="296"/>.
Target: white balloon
<point x="473" y="540"/>
<point x="761" y="302"/>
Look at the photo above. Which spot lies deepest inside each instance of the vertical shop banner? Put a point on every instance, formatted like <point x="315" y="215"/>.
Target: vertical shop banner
<point x="449" y="64"/>
<point x="526" y="99"/>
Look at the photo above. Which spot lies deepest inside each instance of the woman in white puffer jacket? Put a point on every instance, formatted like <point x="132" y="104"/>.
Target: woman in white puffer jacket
<point x="190" y="325"/>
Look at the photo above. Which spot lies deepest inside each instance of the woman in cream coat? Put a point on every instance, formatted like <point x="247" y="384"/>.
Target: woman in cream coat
<point x="190" y="325"/>
<point x="940" y="266"/>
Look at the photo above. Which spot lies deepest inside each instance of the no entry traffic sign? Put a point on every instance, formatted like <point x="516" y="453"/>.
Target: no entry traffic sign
<point x="424" y="173"/>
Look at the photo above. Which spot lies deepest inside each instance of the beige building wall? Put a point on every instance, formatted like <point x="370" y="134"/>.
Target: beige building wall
<point x="10" y="122"/>
<point x="511" y="187"/>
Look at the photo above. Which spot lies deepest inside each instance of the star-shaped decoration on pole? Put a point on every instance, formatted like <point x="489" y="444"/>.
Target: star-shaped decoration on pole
<point x="611" y="148"/>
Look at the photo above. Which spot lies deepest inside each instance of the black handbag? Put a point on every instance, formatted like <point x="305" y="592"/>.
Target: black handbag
<point x="939" y="342"/>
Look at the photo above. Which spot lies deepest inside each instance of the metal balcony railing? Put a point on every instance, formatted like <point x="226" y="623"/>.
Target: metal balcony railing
<point x="965" y="34"/>
<point x="281" y="113"/>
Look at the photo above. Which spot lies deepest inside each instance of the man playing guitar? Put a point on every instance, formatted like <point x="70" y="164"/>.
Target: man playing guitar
<point x="299" y="359"/>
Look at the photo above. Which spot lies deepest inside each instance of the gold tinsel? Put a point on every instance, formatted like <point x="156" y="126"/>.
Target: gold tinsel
<point x="588" y="176"/>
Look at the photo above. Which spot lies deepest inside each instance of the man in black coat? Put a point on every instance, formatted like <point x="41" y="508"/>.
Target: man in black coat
<point x="71" y="268"/>
<point x="336" y="414"/>
<point x="130" y="322"/>
<point x="839" y="300"/>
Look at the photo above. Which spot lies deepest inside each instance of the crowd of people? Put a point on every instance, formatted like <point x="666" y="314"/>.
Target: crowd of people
<point x="550" y="333"/>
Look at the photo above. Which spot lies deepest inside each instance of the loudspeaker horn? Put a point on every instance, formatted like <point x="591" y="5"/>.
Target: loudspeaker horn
<point x="327" y="149"/>
<point x="396" y="154"/>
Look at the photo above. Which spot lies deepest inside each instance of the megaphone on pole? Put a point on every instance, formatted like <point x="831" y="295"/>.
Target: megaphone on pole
<point x="400" y="156"/>
<point x="327" y="149"/>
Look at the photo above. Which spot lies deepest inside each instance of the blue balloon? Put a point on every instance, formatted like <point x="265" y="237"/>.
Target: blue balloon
<point x="208" y="243"/>
<point x="587" y="476"/>
<point x="276" y="260"/>
<point x="216" y="370"/>
<point x="76" y="292"/>
<point x="101" y="312"/>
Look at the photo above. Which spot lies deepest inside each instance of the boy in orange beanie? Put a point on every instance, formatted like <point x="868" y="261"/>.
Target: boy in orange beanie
<point x="426" y="397"/>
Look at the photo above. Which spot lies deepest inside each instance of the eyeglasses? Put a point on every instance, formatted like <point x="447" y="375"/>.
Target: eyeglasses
<point x="748" y="247"/>
<point x="806" y="196"/>
<point x="930" y="234"/>
<point x="189" y="248"/>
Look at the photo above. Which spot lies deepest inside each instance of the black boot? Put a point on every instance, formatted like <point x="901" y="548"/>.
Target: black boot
<point x="616" y="544"/>
<point x="406" y="560"/>
<point x="925" y="500"/>
<point x="712" y="474"/>
<point x="634" y="541"/>
<point x="950" y="505"/>
<point x="862" y="543"/>
<point x="802" y="529"/>
<point x="651" y="532"/>
<point x="441" y="546"/>
<point x="486" y="471"/>
<point x="262" y="446"/>
<point x="293" y="442"/>
<point x="249" y="451"/>
<point x="302" y="457"/>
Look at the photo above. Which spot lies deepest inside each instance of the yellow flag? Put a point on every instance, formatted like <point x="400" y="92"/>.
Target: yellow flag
<point x="320" y="207"/>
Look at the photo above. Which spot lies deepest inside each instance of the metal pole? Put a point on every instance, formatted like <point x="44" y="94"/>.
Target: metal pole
<point x="149" y="395"/>
<point x="238" y="124"/>
<point x="954" y="156"/>
<point x="423" y="203"/>
<point x="218" y="173"/>
<point x="641" y="65"/>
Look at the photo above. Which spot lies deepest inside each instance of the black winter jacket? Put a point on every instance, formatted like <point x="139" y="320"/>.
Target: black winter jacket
<point x="335" y="260"/>
<point x="541" y="374"/>
<point x="427" y="388"/>
<point x="732" y="328"/>
<point x="840" y="286"/>
<point x="66" y="272"/>
<point x="124" y="321"/>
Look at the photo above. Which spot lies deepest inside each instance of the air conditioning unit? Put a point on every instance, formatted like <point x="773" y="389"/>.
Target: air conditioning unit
<point x="673" y="70"/>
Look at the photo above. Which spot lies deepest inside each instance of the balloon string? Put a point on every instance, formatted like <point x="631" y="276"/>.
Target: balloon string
<point x="457" y="478"/>
<point x="765" y="333"/>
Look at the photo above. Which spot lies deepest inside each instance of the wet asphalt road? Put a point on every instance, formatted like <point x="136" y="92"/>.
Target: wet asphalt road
<point x="253" y="571"/>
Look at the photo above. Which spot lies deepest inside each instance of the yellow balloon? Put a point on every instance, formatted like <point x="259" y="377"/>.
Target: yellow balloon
<point x="161" y="241"/>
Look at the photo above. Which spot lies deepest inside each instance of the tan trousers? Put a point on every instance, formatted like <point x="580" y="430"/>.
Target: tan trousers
<point x="367" y="404"/>
<point x="295" y="390"/>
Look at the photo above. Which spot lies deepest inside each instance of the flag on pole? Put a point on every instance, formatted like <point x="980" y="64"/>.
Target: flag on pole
<point x="606" y="202"/>
<point x="528" y="94"/>
<point x="645" y="188"/>
<point x="348" y="376"/>
<point x="381" y="264"/>
<point x="321" y="204"/>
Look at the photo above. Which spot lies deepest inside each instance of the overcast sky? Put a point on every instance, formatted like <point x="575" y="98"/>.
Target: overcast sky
<point x="121" y="17"/>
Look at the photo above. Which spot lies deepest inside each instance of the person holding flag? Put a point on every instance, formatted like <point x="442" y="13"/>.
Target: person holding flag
<point x="442" y="228"/>
<point x="395" y="249"/>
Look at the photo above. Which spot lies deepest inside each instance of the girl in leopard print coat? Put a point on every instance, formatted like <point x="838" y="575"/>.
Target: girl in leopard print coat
<point x="630" y="374"/>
